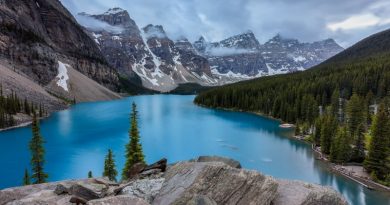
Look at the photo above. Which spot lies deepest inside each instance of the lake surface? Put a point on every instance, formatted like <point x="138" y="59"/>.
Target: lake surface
<point x="171" y="126"/>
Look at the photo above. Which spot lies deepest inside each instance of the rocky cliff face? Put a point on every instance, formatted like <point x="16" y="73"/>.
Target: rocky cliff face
<point x="38" y="36"/>
<point x="147" y="53"/>
<point x="203" y="181"/>
<point x="242" y="57"/>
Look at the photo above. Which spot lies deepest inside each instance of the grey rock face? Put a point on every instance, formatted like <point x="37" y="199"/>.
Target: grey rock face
<point x="148" y="53"/>
<point x="218" y="181"/>
<point x="38" y="33"/>
<point x="146" y="189"/>
<point x="300" y="193"/>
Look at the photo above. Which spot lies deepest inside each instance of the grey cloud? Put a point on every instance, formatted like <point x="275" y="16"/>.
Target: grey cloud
<point x="97" y="25"/>
<point x="222" y="51"/>
<point x="306" y="20"/>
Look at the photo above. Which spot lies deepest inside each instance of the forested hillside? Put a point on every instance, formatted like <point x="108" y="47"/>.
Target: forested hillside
<point x="330" y="101"/>
<point x="11" y="105"/>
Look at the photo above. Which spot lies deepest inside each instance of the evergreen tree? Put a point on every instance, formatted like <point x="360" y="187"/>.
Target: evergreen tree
<point x="297" y="129"/>
<point x="26" y="178"/>
<point x="358" y="150"/>
<point x="90" y="174"/>
<point x="335" y="102"/>
<point x="378" y="149"/>
<point x="356" y="113"/>
<point x="317" y="131"/>
<point x="109" y="166"/>
<point x="328" y="131"/>
<point x="37" y="152"/>
<point x="344" y="147"/>
<point x="134" y="152"/>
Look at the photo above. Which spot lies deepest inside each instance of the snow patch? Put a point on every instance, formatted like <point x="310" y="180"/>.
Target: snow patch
<point x="62" y="76"/>
<point x="299" y="59"/>
<point x="96" y="37"/>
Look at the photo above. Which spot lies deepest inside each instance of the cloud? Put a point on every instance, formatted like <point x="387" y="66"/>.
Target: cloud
<point x="223" y="51"/>
<point x="154" y="31"/>
<point x="97" y="25"/>
<point x="306" y="20"/>
<point x="358" y="22"/>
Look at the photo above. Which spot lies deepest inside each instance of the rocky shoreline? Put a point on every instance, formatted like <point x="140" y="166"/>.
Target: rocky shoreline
<point x="207" y="180"/>
<point x="366" y="182"/>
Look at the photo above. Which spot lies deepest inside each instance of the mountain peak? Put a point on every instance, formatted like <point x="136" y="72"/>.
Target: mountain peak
<point x="246" y="40"/>
<point x="154" y="31"/>
<point x="114" y="11"/>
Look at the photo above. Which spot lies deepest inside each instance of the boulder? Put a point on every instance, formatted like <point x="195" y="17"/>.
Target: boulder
<point x="135" y="170"/>
<point x="146" y="189"/>
<point x="231" y="162"/>
<point x="105" y="181"/>
<point x="118" y="200"/>
<point x="150" y="172"/>
<point x="218" y="181"/>
<point x="301" y="193"/>
<point x="62" y="188"/>
<point x="161" y="164"/>
<point x="89" y="191"/>
<point x="77" y="200"/>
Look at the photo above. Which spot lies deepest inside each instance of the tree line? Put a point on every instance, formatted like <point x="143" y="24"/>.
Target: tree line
<point x="11" y="105"/>
<point x="331" y="102"/>
<point x="134" y="154"/>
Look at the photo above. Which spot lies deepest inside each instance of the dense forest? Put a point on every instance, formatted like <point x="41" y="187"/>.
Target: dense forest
<point x="11" y="105"/>
<point x="343" y="104"/>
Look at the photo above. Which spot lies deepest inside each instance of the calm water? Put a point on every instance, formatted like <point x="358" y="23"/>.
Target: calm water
<point x="172" y="127"/>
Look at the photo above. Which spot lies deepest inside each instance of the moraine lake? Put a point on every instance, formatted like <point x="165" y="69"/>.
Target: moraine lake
<point x="173" y="127"/>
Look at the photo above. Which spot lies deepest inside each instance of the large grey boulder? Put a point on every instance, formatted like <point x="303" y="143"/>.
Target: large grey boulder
<point x="301" y="193"/>
<point x="219" y="182"/>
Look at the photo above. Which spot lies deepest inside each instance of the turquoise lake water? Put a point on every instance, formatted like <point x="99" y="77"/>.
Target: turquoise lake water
<point x="173" y="127"/>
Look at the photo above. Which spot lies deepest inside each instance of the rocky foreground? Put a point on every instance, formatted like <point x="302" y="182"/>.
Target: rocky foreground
<point x="203" y="181"/>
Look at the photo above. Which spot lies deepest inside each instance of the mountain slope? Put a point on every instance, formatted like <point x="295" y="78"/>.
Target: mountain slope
<point x="242" y="57"/>
<point x="363" y="69"/>
<point x="146" y="54"/>
<point x="43" y="46"/>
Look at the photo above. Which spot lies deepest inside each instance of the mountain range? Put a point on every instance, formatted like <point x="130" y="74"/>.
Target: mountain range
<point x="163" y="63"/>
<point x="47" y="57"/>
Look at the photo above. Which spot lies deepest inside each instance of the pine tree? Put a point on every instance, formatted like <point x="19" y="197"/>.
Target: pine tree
<point x="37" y="152"/>
<point x="344" y="147"/>
<point x="358" y="150"/>
<point x="109" y="166"/>
<point x="317" y="131"/>
<point x="134" y="152"/>
<point x="90" y="174"/>
<point x="297" y="129"/>
<point x="26" y="178"/>
<point x="378" y="149"/>
<point x="356" y="113"/>
<point x="328" y="131"/>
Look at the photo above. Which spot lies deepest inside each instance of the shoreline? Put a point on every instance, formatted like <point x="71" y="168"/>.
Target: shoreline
<point x="369" y="184"/>
<point x="23" y="124"/>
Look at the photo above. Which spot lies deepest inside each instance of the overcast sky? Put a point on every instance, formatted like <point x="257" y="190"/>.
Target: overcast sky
<point x="347" y="21"/>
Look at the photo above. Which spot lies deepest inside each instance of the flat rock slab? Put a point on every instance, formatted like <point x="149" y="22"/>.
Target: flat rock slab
<point x="218" y="182"/>
<point x="301" y="193"/>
